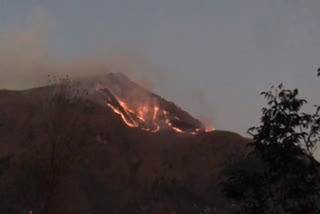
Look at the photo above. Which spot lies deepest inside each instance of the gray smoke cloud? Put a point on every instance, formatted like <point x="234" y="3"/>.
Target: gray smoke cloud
<point x="24" y="53"/>
<point x="26" y="62"/>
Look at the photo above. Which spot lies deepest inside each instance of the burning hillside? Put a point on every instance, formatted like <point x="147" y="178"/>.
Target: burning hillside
<point x="139" y="108"/>
<point x="99" y="159"/>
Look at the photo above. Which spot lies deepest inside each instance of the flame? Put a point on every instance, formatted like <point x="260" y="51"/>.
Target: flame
<point x="146" y="118"/>
<point x="122" y="116"/>
<point x="170" y="124"/>
<point x="177" y="129"/>
<point x="209" y="129"/>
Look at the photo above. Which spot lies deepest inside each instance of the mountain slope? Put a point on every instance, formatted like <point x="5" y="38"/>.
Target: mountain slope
<point x="104" y="165"/>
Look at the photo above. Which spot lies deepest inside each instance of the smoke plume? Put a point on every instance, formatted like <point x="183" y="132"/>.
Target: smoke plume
<point x="26" y="62"/>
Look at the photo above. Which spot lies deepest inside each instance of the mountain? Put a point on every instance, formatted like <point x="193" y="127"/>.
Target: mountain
<point x="145" y="106"/>
<point x="64" y="150"/>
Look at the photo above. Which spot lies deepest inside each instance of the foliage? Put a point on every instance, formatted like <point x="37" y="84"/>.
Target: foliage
<point x="288" y="179"/>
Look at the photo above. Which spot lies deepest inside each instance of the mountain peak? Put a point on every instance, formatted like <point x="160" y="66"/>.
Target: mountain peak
<point x="141" y="108"/>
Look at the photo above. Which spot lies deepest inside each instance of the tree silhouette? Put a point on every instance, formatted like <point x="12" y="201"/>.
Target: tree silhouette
<point x="283" y="176"/>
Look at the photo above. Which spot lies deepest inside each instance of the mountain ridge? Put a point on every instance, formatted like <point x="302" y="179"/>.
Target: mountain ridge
<point x="111" y="167"/>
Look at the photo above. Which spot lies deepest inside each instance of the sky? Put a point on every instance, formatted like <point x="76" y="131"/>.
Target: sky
<point x="211" y="57"/>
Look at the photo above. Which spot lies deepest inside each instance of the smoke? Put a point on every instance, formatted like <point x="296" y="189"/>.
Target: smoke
<point x="26" y="62"/>
<point x="206" y="110"/>
<point x="24" y="53"/>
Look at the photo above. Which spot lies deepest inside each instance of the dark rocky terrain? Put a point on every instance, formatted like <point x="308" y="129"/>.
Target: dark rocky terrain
<point x="81" y="157"/>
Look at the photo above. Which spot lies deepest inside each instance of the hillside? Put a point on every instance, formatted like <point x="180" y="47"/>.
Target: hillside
<point x="102" y="165"/>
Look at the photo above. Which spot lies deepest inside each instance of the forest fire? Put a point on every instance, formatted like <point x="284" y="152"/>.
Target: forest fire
<point x="150" y="117"/>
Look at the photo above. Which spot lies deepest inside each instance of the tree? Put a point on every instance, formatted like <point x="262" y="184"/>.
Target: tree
<point x="279" y="174"/>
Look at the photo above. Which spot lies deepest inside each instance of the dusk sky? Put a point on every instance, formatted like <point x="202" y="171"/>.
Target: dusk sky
<point x="214" y="56"/>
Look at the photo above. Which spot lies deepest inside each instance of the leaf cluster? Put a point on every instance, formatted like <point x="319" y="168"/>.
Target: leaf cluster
<point x="288" y="180"/>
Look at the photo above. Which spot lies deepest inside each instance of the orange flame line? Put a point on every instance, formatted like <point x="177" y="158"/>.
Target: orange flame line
<point x="209" y="130"/>
<point x="177" y="129"/>
<point x="128" y="115"/>
<point x="170" y="124"/>
<point x="122" y="116"/>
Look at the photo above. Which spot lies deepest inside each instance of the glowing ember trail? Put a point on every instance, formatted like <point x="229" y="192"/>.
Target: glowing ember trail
<point x="209" y="130"/>
<point x="151" y="118"/>
<point x="122" y="116"/>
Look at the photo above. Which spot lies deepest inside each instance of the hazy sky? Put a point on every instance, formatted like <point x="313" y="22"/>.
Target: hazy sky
<point x="215" y="55"/>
